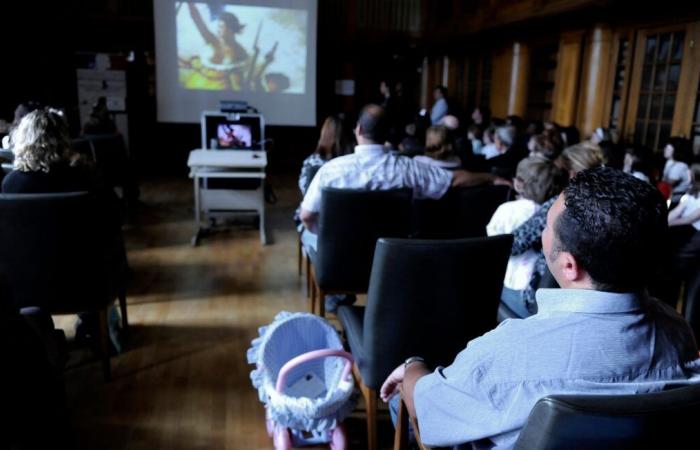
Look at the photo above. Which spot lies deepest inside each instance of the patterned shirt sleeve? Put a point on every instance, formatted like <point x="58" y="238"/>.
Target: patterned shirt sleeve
<point x="528" y="236"/>
<point x="309" y="168"/>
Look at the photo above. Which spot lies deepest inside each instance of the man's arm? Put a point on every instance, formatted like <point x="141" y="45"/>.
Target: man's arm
<point x="309" y="219"/>
<point x="413" y="373"/>
<point x="464" y="178"/>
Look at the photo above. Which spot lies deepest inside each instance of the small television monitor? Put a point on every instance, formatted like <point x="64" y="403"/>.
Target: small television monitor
<point x="222" y="131"/>
<point x="234" y="136"/>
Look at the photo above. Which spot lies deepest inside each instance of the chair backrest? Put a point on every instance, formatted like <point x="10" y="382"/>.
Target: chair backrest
<point x="429" y="298"/>
<point x="599" y="422"/>
<point x="350" y="223"/>
<point x="56" y="251"/>
<point x="461" y="213"/>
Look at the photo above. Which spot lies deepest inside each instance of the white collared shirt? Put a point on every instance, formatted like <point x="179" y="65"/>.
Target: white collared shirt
<point x="373" y="168"/>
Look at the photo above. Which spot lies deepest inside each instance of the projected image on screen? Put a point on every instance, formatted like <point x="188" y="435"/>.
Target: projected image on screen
<point x="234" y="136"/>
<point x="223" y="47"/>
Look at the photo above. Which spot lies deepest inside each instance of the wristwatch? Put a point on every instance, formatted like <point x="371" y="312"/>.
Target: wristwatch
<point x="411" y="360"/>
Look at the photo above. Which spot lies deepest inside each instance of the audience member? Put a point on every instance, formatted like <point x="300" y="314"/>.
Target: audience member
<point x="534" y="128"/>
<point x="22" y="110"/>
<point x="676" y="172"/>
<point x="600" y="135"/>
<point x="638" y="162"/>
<point x="480" y="117"/>
<point x="489" y="149"/>
<point x="580" y="157"/>
<point x="44" y="161"/>
<point x="461" y="146"/>
<point x="613" y="154"/>
<point x="440" y="108"/>
<point x="570" y="136"/>
<point x="536" y="181"/>
<point x="600" y="334"/>
<point x="414" y="142"/>
<point x="687" y="213"/>
<point x="439" y="149"/>
<point x="100" y="121"/>
<point x="509" y="155"/>
<point x="528" y="236"/>
<point x="474" y="135"/>
<point x="332" y="143"/>
<point x="547" y="144"/>
<point x="683" y="266"/>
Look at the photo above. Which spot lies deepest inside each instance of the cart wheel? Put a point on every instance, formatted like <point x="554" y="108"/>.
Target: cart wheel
<point x="282" y="440"/>
<point x="339" y="441"/>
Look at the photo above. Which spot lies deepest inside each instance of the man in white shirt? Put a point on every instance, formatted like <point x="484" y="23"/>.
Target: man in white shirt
<point x="372" y="167"/>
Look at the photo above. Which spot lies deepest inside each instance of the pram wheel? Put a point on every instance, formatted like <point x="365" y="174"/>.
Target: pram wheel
<point x="339" y="440"/>
<point x="282" y="439"/>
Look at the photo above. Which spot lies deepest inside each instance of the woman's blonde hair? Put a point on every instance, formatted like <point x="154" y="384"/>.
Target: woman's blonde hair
<point x="40" y="141"/>
<point x="437" y="143"/>
<point x="580" y="157"/>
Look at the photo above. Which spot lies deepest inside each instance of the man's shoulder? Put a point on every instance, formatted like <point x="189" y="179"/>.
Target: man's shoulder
<point x="337" y="165"/>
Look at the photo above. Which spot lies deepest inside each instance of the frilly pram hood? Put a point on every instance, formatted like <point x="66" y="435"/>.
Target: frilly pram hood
<point x="288" y="336"/>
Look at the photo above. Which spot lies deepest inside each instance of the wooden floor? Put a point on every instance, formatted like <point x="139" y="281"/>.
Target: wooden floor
<point x="183" y="380"/>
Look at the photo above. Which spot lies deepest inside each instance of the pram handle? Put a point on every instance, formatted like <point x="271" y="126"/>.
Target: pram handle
<point x="310" y="356"/>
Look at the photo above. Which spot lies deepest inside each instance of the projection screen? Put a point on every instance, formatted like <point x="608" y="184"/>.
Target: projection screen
<point x="260" y="51"/>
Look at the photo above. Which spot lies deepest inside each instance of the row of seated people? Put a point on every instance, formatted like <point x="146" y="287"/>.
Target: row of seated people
<point x="599" y="232"/>
<point x="101" y="147"/>
<point x="499" y="166"/>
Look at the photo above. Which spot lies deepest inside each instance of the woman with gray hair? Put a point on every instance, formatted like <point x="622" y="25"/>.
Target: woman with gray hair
<point x="44" y="161"/>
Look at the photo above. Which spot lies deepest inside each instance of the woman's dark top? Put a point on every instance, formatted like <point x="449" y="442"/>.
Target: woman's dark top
<point x="61" y="178"/>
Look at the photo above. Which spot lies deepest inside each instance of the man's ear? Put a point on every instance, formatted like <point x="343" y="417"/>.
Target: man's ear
<point x="569" y="268"/>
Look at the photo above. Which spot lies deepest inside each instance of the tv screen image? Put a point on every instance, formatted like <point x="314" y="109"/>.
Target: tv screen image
<point x="234" y="136"/>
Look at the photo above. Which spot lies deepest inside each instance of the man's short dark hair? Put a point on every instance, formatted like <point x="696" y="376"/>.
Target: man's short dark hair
<point x="442" y="89"/>
<point x="615" y="226"/>
<point x="374" y="123"/>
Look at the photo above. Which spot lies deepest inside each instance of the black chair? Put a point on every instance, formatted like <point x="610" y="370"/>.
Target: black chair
<point x="426" y="298"/>
<point x="461" y="213"/>
<point x="661" y="420"/>
<point x="64" y="254"/>
<point x="349" y="225"/>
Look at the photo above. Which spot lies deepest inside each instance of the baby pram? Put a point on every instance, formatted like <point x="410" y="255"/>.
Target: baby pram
<point x="303" y="377"/>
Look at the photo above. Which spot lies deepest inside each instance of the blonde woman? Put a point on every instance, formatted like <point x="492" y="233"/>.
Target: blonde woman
<point x="44" y="161"/>
<point x="439" y="150"/>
